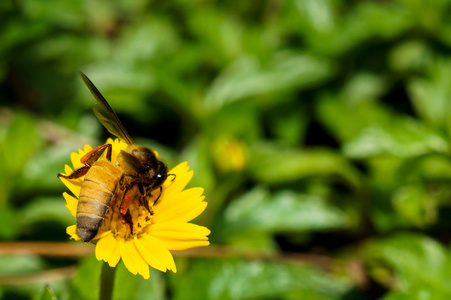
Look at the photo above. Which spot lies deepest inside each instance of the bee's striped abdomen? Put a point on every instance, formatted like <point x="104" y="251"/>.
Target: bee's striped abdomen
<point x="95" y="197"/>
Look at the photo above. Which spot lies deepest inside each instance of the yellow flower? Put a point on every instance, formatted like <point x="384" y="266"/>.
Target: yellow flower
<point x="154" y="233"/>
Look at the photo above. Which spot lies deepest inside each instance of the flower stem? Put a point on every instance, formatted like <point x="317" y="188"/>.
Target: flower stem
<point x="107" y="282"/>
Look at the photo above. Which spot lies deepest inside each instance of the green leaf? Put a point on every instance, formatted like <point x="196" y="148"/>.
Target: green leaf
<point x="289" y="123"/>
<point x="369" y="129"/>
<point x="345" y="119"/>
<point x="328" y="30"/>
<point x="430" y="94"/>
<point x="35" y="176"/>
<point x="316" y="15"/>
<point x="46" y="209"/>
<point x="69" y="13"/>
<point x="47" y="294"/>
<point x="154" y="286"/>
<point x="86" y="283"/>
<point x="418" y="262"/>
<point x="286" y="211"/>
<point x="363" y="86"/>
<point x="272" y="164"/>
<point x="18" y="141"/>
<point x="239" y="119"/>
<point x="246" y="77"/>
<point x="9" y="227"/>
<point x="417" y="293"/>
<point x="126" y="284"/>
<point x="239" y="279"/>
<point x="13" y="264"/>
<point x="196" y="153"/>
<point x="15" y="32"/>
<point x="404" y="137"/>
<point x="415" y="206"/>
<point x="149" y="39"/>
<point x="430" y="13"/>
<point x="412" y="55"/>
<point x="129" y="286"/>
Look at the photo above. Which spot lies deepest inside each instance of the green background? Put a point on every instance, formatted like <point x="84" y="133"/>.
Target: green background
<point x="319" y="129"/>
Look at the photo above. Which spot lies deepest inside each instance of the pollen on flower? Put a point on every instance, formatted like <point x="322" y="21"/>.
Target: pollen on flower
<point x="125" y="227"/>
<point x="144" y="234"/>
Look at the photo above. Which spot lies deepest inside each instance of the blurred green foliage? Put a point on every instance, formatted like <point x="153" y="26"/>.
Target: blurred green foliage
<point x="316" y="127"/>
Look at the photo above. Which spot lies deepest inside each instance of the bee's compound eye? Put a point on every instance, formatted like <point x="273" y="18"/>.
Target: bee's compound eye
<point x="161" y="177"/>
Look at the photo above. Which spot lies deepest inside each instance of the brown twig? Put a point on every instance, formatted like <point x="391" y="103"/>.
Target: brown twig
<point x="229" y="252"/>
<point x="48" y="249"/>
<point x="63" y="249"/>
<point x="353" y="267"/>
<point x="41" y="277"/>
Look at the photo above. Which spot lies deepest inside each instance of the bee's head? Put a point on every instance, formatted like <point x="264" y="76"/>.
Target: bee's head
<point x="161" y="175"/>
<point x="143" y="161"/>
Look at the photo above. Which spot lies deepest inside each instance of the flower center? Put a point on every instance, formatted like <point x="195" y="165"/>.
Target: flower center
<point x="130" y="224"/>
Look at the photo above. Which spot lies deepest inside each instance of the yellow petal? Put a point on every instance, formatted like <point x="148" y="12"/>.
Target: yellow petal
<point x="155" y="253"/>
<point x="101" y="234"/>
<point x="149" y="256"/>
<point x="76" y="157"/>
<point x="117" y="146"/>
<point x="115" y="256"/>
<point x="67" y="170"/>
<point x="122" y="250"/>
<point x="143" y="265"/>
<point x="190" y="196"/>
<point x="71" y="204"/>
<point x="105" y="247"/>
<point x="73" y="185"/>
<point x="72" y="231"/>
<point x="180" y="236"/>
<point x="182" y="245"/>
<point x="179" y="231"/>
<point x="189" y="215"/>
<point x="86" y="149"/>
<point x="75" y="160"/>
<point x="177" y="184"/>
<point x="185" y="211"/>
<point x="133" y="260"/>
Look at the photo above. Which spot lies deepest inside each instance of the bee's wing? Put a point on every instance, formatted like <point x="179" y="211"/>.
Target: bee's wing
<point x="106" y="114"/>
<point x="133" y="162"/>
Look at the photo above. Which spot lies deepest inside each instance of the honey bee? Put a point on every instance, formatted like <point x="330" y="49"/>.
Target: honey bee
<point x="138" y="173"/>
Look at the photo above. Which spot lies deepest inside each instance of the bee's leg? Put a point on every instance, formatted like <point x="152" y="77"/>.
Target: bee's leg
<point x="92" y="156"/>
<point x="129" y="188"/>
<point x="143" y="198"/>
<point x="161" y="188"/>
<point x="137" y="191"/>
<point x="88" y="160"/>
<point x="126" y="203"/>
<point x="161" y="191"/>
<point x="128" y="219"/>
<point x="76" y="174"/>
